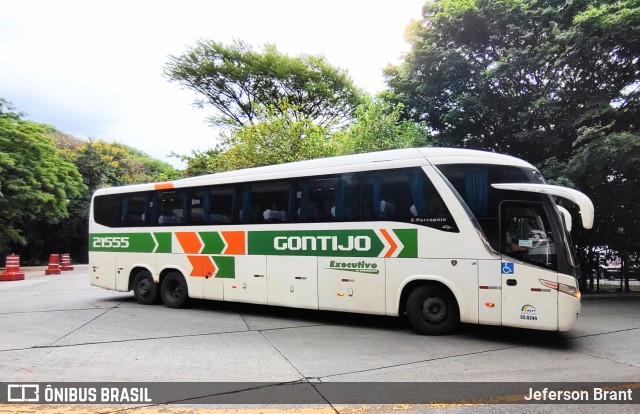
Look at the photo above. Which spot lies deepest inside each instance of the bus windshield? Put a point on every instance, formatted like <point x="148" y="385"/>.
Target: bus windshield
<point x="528" y="235"/>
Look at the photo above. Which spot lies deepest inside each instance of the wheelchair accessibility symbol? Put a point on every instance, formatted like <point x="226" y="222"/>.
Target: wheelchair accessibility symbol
<point x="507" y="268"/>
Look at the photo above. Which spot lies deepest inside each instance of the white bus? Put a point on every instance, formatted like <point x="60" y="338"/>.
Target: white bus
<point x="441" y="235"/>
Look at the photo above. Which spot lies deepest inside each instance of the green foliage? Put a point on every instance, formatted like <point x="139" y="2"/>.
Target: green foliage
<point x="610" y="17"/>
<point x="36" y="182"/>
<point x="378" y="126"/>
<point x="198" y="161"/>
<point x="144" y="168"/>
<point x="243" y="85"/>
<point x="46" y="182"/>
<point x="516" y="76"/>
<point x="607" y="165"/>
<point x="604" y="43"/>
<point x="278" y="139"/>
<point x="104" y="164"/>
<point x="101" y="164"/>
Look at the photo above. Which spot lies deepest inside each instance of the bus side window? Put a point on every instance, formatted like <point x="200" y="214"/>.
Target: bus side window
<point x="199" y="202"/>
<point x="428" y="208"/>
<point x="265" y="202"/>
<point x="170" y="208"/>
<point x="386" y="196"/>
<point x="137" y="208"/>
<point x="348" y="199"/>
<point x="107" y="210"/>
<point x="221" y="205"/>
<point x="315" y="197"/>
<point x="405" y="195"/>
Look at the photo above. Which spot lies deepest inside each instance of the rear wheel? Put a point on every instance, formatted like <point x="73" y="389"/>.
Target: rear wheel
<point x="174" y="291"/>
<point x="145" y="289"/>
<point x="432" y="310"/>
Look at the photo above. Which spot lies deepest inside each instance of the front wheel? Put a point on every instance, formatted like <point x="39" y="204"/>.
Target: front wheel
<point x="174" y="290"/>
<point x="432" y="310"/>
<point x="145" y="289"/>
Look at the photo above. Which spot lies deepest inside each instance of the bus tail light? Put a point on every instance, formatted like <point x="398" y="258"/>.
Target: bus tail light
<point x="561" y="287"/>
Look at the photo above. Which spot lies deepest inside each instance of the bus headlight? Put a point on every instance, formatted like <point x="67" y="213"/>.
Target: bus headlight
<point x="561" y="287"/>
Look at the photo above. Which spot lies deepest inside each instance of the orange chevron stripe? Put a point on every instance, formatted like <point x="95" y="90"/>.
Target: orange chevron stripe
<point x="189" y="241"/>
<point x="202" y="266"/>
<point x="235" y="242"/>
<point x="393" y="244"/>
<point x="195" y="264"/>
<point x="208" y="266"/>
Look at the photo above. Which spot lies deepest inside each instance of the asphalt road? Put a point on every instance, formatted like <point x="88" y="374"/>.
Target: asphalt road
<point x="59" y="328"/>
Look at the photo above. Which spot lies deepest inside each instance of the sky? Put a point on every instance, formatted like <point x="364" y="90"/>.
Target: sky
<point x="93" y="69"/>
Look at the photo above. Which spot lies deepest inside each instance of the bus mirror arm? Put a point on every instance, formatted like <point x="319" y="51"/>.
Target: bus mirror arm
<point x="583" y="202"/>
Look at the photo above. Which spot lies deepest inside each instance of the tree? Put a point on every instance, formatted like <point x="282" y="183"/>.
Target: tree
<point x="101" y="164"/>
<point x="607" y="165"/>
<point x="378" y="126"/>
<point x="245" y="85"/>
<point x="198" y="161"/>
<point x="47" y="179"/>
<point x="516" y="76"/>
<point x="36" y="182"/>
<point x="104" y="164"/>
<point x="279" y="139"/>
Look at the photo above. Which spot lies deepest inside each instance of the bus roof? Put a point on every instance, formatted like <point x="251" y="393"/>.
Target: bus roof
<point x="383" y="159"/>
<point x="418" y="155"/>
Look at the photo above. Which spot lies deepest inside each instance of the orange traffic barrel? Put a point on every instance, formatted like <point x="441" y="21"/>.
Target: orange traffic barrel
<point x="66" y="262"/>
<point x="54" y="265"/>
<point x="12" y="271"/>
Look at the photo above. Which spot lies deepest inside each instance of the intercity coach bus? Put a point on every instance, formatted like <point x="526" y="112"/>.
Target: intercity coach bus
<point x="440" y="235"/>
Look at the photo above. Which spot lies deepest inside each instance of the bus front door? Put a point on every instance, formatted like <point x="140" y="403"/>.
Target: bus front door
<point x="528" y="261"/>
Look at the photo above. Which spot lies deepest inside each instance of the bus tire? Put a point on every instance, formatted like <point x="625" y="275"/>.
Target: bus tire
<point x="144" y="288"/>
<point x="432" y="310"/>
<point x="174" y="291"/>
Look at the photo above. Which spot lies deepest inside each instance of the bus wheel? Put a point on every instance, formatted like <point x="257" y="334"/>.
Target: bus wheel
<point x="144" y="288"/>
<point x="174" y="291"/>
<point x="432" y="310"/>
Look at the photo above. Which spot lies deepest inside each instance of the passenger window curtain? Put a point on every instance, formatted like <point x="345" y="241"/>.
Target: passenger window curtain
<point x="150" y="215"/>
<point x="206" y="207"/>
<point x="185" y="205"/>
<point x="476" y="189"/>
<point x="125" y="210"/>
<point x="303" y="214"/>
<point x="416" y="185"/>
<point x="246" y="204"/>
<point x="340" y="198"/>
<point x="377" y="186"/>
